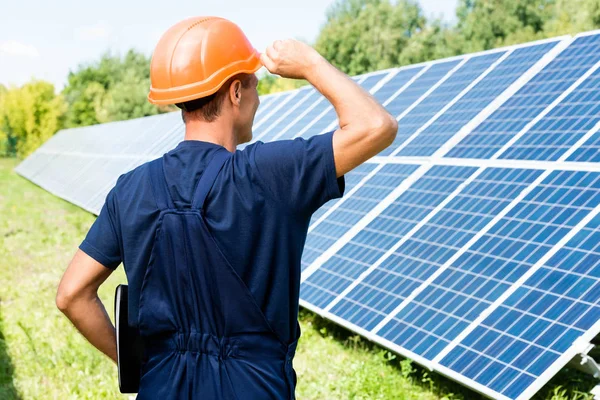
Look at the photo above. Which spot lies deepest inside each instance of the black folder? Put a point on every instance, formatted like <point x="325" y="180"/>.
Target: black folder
<point x="129" y="345"/>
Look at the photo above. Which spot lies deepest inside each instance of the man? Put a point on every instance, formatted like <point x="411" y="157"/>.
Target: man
<point x="210" y="237"/>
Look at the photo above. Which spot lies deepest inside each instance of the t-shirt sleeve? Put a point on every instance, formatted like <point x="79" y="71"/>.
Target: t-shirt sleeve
<point x="102" y="240"/>
<point x="300" y="173"/>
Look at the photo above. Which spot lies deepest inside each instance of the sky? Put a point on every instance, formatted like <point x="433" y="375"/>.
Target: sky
<point x="46" y="39"/>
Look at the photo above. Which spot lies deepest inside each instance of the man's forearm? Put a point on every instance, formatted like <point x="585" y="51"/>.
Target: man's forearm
<point x="91" y="319"/>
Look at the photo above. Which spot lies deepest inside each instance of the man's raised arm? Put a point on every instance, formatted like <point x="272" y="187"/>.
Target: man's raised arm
<point x="366" y="128"/>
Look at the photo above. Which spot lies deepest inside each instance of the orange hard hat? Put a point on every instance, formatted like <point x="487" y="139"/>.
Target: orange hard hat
<point x="195" y="57"/>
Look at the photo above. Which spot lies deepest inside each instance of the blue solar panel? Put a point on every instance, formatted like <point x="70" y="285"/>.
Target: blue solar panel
<point x="431" y="246"/>
<point x="269" y="128"/>
<point x="351" y="180"/>
<point x="530" y="100"/>
<point x="563" y="126"/>
<point x="370" y="81"/>
<point x="265" y="105"/>
<point x="313" y="114"/>
<point x="337" y="273"/>
<point x="420" y="86"/>
<point x="353" y="209"/>
<point x="560" y="302"/>
<point x="589" y="151"/>
<point x="299" y="106"/>
<point x="479" y="97"/>
<point x="493" y="263"/>
<point x="269" y="117"/>
<point x="320" y="124"/>
<point x="441" y="96"/>
<point x="323" y="234"/>
<point x="396" y="83"/>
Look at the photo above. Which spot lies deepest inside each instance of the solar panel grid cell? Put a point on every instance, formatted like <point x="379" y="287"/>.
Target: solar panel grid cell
<point x="420" y="86"/>
<point x="563" y="126"/>
<point x="442" y="95"/>
<point x="530" y="100"/>
<point x="370" y="243"/>
<point x="588" y="151"/>
<point x="476" y="99"/>
<point x="533" y="327"/>
<point x="289" y="113"/>
<point x="396" y="83"/>
<point x="434" y="243"/>
<point x="321" y="237"/>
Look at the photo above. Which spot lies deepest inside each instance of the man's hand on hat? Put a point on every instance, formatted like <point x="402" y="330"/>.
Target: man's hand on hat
<point x="291" y="59"/>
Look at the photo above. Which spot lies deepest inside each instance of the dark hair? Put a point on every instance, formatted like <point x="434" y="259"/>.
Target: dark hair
<point x="209" y="108"/>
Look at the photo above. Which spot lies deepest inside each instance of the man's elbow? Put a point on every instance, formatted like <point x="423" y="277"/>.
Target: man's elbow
<point x="63" y="301"/>
<point x="384" y="129"/>
<point x="65" y="298"/>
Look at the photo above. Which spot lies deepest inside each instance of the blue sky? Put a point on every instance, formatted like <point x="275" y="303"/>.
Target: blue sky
<point x="44" y="39"/>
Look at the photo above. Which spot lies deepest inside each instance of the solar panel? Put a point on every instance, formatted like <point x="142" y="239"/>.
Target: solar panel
<point x="442" y="95"/>
<point x="362" y="247"/>
<point x="287" y="99"/>
<point x="589" y="151"/>
<point x="531" y="100"/>
<point x="507" y="354"/>
<point x="441" y="235"/>
<point x="326" y="230"/>
<point x="491" y="85"/>
<point x="398" y="82"/>
<point x="563" y="125"/>
<point x="306" y="95"/>
<point x="471" y="245"/>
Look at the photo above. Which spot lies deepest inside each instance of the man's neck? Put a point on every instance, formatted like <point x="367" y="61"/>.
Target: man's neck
<point x="217" y="132"/>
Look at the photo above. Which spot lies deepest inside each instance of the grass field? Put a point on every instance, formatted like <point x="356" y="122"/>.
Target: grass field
<point x="42" y="356"/>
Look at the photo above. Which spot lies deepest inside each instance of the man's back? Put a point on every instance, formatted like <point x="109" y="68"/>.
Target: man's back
<point x="258" y="211"/>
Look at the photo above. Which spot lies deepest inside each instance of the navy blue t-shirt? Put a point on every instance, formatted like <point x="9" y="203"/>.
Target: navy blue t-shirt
<point x="258" y="210"/>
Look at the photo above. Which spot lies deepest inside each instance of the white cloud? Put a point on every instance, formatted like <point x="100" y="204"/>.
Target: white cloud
<point x="99" y="30"/>
<point x="14" y="48"/>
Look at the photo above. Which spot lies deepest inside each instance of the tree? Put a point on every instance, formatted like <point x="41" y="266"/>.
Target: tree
<point x="127" y="99"/>
<point x="431" y="43"/>
<point x="366" y="35"/>
<point x="111" y="89"/>
<point x="29" y="115"/>
<point x="485" y="24"/>
<point x="573" y="16"/>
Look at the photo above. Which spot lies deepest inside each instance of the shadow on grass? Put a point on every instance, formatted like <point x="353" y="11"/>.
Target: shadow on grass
<point x="7" y="388"/>
<point x="567" y="384"/>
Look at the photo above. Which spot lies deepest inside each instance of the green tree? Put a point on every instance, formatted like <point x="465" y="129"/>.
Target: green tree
<point x="29" y="116"/>
<point x="111" y="89"/>
<point x="431" y="43"/>
<point x="365" y="35"/>
<point x="573" y="16"/>
<point x="127" y="99"/>
<point x="486" y="24"/>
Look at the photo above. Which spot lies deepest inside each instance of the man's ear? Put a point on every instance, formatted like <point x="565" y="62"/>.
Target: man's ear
<point x="235" y="92"/>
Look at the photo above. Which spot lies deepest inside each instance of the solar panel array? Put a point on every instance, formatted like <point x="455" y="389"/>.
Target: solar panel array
<point x="471" y="244"/>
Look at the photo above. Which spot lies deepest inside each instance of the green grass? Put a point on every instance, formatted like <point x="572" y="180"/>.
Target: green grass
<point x="42" y="356"/>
